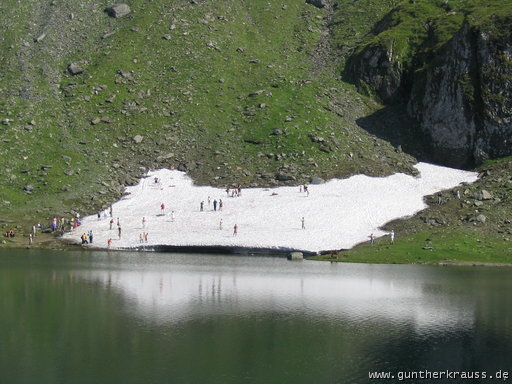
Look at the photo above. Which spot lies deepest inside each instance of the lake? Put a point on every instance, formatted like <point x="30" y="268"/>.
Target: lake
<point x="99" y="317"/>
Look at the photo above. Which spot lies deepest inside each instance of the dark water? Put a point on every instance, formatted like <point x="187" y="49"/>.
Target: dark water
<point x="74" y="317"/>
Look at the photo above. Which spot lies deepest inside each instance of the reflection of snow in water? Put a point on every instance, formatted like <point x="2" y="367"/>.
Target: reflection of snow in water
<point x="338" y="214"/>
<point x="176" y="296"/>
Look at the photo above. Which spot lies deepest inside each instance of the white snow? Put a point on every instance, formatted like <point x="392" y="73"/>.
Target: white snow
<point x="338" y="214"/>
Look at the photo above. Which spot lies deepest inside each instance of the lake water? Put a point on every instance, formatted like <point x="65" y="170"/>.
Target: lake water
<point x="95" y="317"/>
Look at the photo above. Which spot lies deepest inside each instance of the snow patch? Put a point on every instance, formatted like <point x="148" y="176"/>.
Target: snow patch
<point x="337" y="215"/>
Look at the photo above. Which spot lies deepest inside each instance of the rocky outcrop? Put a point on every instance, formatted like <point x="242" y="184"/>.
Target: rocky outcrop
<point x="460" y="93"/>
<point x="375" y="71"/>
<point x="463" y="100"/>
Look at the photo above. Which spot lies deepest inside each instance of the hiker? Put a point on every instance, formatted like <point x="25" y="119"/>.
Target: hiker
<point x="29" y="239"/>
<point x="235" y="230"/>
<point x="162" y="208"/>
<point x="458" y="194"/>
<point x="90" y="236"/>
<point x="220" y="224"/>
<point x="111" y="223"/>
<point x="172" y="216"/>
<point x="227" y="191"/>
<point x="303" y="224"/>
<point x="109" y="243"/>
<point x="392" y="236"/>
<point x="110" y="210"/>
<point x="306" y="190"/>
<point x="201" y="205"/>
<point x="146" y="237"/>
<point x="439" y="198"/>
<point x="372" y="238"/>
<point x="221" y="204"/>
<point x="34" y="231"/>
<point x="209" y="201"/>
<point x="118" y="222"/>
<point x="99" y="215"/>
<point x="141" y="238"/>
<point x="119" y="231"/>
<point x="143" y="223"/>
<point x="214" y="205"/>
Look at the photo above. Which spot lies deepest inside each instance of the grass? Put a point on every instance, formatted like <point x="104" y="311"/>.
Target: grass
<point x="206" y="85"/>
<point x="442" y="246"/>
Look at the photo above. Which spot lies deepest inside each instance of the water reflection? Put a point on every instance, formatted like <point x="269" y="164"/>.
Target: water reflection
<point x="348" y="293"/>
<point x="134" y="318"/>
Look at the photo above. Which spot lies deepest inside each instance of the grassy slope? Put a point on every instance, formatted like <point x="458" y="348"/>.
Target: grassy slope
<point x="188" y="96"/>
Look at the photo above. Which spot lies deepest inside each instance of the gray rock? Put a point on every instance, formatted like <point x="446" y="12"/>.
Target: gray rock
<point x="118" y="10"/>
<point x="166" y="36"/>
<point x="137" y="139"/>
<point x="486" y="195"/>
<point x="481" y="218"/>
<point x="295" y="256"/>
<point x="40" y="38"/>
<point x="277" y="132"/>
<point x="28" y="188"/>
<point x="284" y="177"/>
<point x="317" y="3"/>
<point x="69" y="172"/>
<point x="317" y="180"/>
<point x="75" y="69"/>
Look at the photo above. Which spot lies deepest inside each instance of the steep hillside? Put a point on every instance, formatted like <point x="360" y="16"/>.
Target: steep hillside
<point x="230" y="91"/>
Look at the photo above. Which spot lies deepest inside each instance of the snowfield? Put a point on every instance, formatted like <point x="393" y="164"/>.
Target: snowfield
<point x="337" y="214"/>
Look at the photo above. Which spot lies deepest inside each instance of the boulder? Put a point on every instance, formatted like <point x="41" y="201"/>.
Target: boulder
<point x="75" y="69"/>
<point x="284" y="177"/>
<point x="118" y="10"/>
<point x="317" y="180"/>
<point x="317" y="3"/>
<point x="486" y="195"/>
<point x="295" y="256"/>
<point x="481" y="218"/>
<point x="137" y="139"/>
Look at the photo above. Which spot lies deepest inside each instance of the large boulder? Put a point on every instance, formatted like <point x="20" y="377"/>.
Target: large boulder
<point x="317" y="3"/>
<point x="118" y="10"/>
<point x="75" y="69"/>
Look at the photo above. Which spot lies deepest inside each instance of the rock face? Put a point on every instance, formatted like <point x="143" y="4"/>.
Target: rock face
<point x="118" y="10"/>
<point x="464" y="101"/>
<point x="460" y="93"/>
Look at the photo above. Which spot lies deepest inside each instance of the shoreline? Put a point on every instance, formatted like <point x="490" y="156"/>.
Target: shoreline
<point x="50" y="242"/>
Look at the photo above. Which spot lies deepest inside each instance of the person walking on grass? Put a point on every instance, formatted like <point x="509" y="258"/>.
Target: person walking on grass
<point x="392" y="236"/>
<point x="30" y="239"/>
<point x="372" y="239"/>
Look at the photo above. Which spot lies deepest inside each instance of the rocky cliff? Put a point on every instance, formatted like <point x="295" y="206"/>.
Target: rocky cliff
<point x="458" y="88"/>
